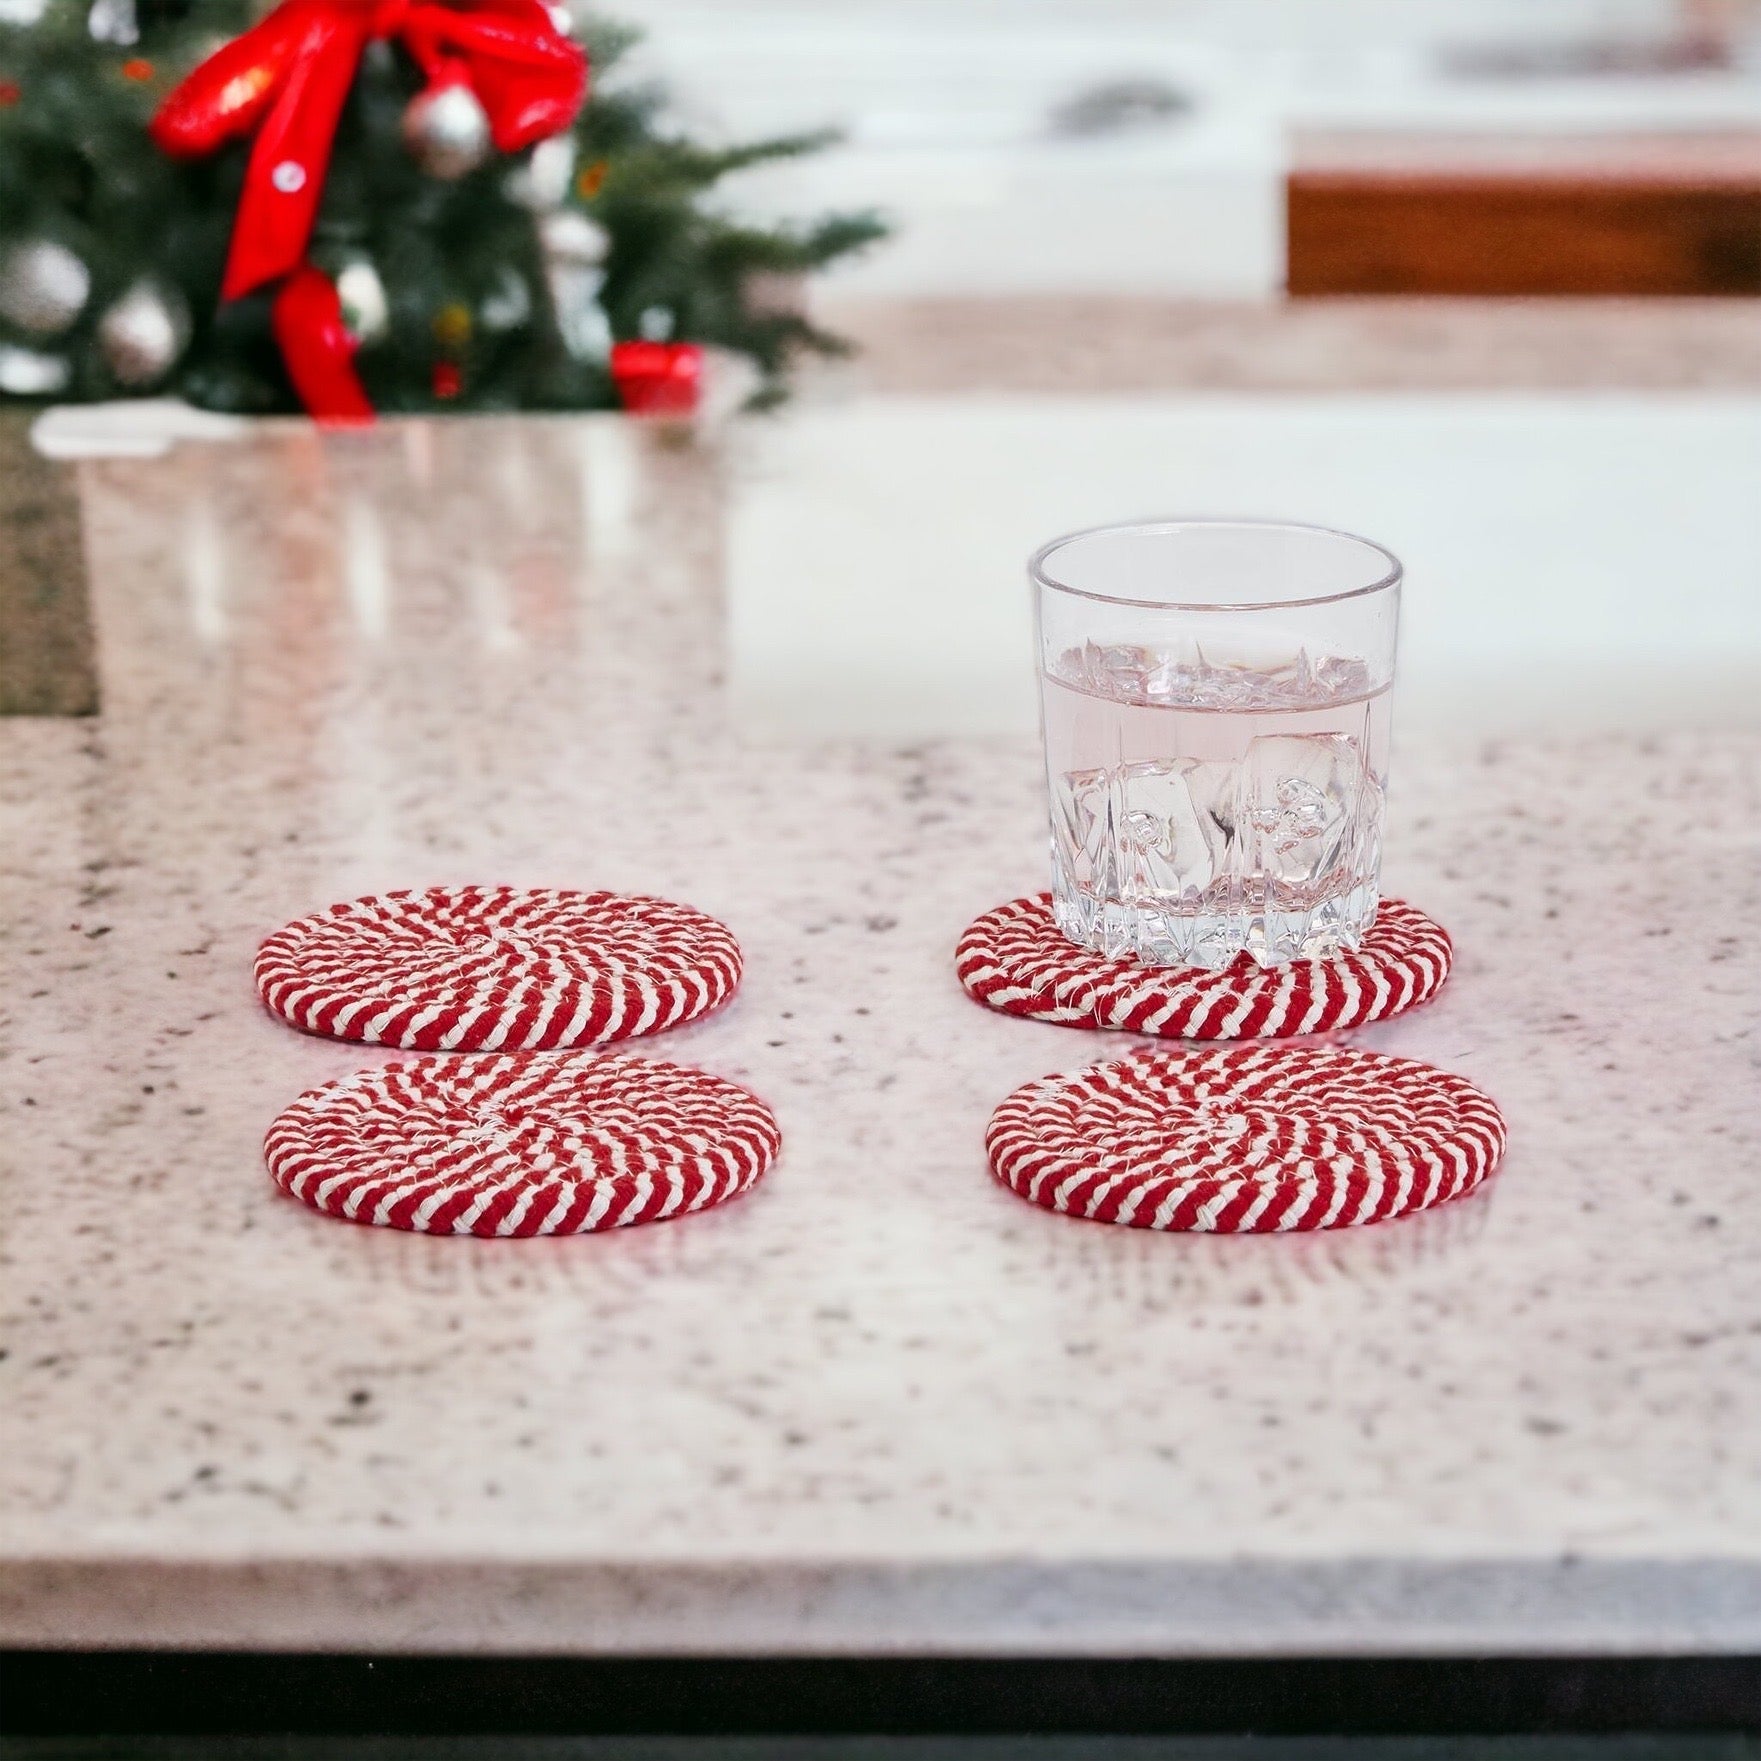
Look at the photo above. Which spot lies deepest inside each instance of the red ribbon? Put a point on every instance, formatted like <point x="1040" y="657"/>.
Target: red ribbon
<point x="318" y="347"/>
<point x="288" y="77"/>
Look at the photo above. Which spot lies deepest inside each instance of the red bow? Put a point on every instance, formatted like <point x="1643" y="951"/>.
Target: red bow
<point x="288" y="77"/>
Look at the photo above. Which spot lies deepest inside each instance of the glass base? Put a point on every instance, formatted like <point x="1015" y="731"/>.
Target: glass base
<point x="1274" y="933"/>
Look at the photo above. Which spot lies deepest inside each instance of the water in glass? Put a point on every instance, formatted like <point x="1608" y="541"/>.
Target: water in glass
<point x="1202" y="809"/>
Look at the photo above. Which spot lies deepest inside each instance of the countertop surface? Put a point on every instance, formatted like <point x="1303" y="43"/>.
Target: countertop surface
<point x="879" y="1405"/>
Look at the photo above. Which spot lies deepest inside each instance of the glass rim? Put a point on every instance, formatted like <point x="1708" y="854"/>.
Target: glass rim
<point x="1036" y="569"/>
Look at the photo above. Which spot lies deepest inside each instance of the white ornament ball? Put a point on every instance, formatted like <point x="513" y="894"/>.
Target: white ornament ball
<point x="508" y="303"/>
<point x="31" y="373"/>
<point x="43" y="287"/>
<point x="542" y="183"/>
<point x="113" y="21"/>
<point x="447" y="131"/>
<point x="580" y="318"/>
<point x="365" y="309"/>
<point x="144" y="333"/>
<point x="569" y="237"/>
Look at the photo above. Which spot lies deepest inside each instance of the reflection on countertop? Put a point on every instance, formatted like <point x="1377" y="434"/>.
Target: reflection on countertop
<point x="879" y="1404"/>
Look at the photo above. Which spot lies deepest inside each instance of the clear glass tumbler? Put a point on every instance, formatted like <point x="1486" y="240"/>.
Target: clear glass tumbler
<point x="1214" y="699"/>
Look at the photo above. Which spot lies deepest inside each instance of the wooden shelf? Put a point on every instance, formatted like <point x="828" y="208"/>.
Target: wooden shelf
<point x="1501" y="216"/>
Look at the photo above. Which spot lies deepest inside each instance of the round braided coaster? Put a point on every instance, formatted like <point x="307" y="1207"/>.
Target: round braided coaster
<point x="1244" y="1139"/>
<point x="1016" y="959"/>
<point x="468" y="969"/>
<point x="520" y="1145"/>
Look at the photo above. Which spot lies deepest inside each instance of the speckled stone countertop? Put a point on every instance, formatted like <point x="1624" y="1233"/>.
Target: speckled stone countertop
<point x="880" y="1405"/>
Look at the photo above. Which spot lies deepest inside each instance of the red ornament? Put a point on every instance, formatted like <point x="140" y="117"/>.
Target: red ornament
<point x="9" y="92"/>
<point x="658" y="378"/>
<point x="448" y="380"/>
<point x="137" y="69"/>
<point x="287" y="78"/>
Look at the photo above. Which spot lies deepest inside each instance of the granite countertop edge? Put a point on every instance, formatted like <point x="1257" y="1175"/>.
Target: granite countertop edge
<point x="1002" y="1607"/>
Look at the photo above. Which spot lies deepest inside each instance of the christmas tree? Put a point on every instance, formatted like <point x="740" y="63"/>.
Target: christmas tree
<point x="431" y="269"/>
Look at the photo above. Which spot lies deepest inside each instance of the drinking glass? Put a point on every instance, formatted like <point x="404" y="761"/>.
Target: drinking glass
<point x="1214" y="700"/>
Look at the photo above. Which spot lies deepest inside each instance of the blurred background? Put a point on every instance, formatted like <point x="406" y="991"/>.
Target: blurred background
<point x="1228" y="149"/>
<point x="1478" y="277"/>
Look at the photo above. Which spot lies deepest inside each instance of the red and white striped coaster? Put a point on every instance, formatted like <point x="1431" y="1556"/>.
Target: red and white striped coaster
<point x="545" y="1144"/>
<point x="1016" y="959"/>
<point x="469" y="969"/>
<point x="1245" y="1139"/>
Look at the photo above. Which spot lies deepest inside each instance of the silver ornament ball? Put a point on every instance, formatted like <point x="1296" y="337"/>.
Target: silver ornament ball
<point x="144" y="333"/>
<point x="508" y="304"/>
<point x="542" y="183"/>
<point x="568" y="237"/>
<point x="365" y="309"/>
<point x="113" y="21"/>
<point x="43" y="287"/>
<point x="580" y="318"/>
<point x="31" y="373"/>
<point x="447" y="131"/>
